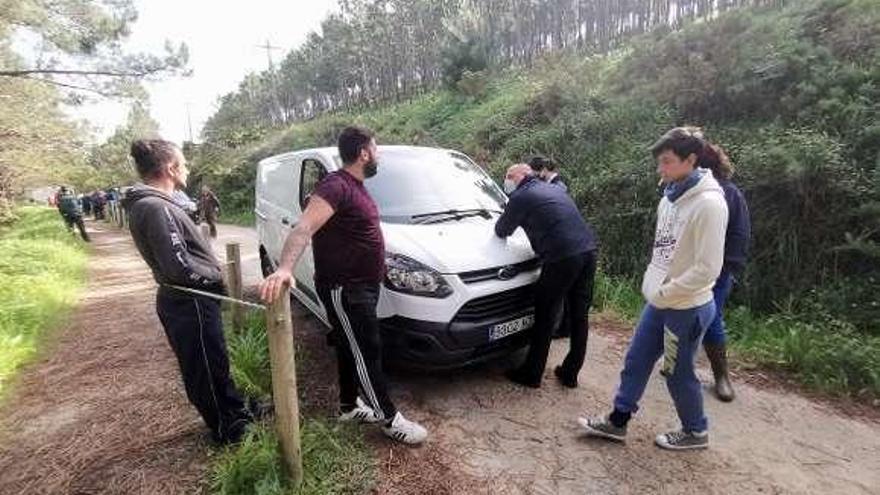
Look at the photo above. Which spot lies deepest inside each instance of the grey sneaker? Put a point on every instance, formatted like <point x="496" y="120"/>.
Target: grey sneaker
<point x="682" y="440"/>
<point x="604" y="428"/>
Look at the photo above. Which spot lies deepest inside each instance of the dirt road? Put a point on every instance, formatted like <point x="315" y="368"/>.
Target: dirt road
<point x="104" y="412"/>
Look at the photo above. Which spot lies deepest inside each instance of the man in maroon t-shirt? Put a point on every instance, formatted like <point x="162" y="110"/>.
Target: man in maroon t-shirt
<point x="349" y="254"/>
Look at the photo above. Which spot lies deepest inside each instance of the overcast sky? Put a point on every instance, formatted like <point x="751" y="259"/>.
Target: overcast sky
<point x="223" y="40"/>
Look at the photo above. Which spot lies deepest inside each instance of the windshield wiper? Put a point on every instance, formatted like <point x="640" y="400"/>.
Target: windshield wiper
<point x="482" y="211"/>
<point x="456" y="214"/>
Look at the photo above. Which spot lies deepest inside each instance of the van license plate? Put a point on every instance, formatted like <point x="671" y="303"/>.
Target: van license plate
<point x="502" y="330"/>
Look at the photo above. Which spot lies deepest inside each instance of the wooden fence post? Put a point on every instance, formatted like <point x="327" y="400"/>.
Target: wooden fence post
<point x="279" y="327"/>
<point x="233" y="265"/>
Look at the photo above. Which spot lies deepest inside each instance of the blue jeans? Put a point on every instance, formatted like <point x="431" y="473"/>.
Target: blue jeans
<point x="715" y="334"/>
<point x="674" y="335"/>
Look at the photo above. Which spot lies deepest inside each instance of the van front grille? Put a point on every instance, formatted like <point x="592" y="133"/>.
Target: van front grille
<point x="492" y="273"/>
<point x="498" y="305"/>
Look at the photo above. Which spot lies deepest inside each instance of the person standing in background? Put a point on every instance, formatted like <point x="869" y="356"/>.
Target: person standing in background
<point x="736" y="248"/>
<point x="71" y="211"/>
<point x="546" y="170"/>
<point x="209" y="206"/>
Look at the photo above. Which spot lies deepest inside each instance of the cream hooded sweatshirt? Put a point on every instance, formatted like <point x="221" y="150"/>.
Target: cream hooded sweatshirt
<point x="688" y="247"/>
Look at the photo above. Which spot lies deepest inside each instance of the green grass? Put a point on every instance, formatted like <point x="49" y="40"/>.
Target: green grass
<point x="335" y="460"/>
<point x="335" y="457"/>
<point x="820" y="351"/>
<point x="42" y="269"/>
<point x="617" y="296"/>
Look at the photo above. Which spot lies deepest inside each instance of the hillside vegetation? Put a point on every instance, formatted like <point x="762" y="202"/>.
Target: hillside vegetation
<point x="793" y="94"/>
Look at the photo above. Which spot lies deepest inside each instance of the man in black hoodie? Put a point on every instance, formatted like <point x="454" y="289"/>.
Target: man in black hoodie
<point x="178" y="255"/>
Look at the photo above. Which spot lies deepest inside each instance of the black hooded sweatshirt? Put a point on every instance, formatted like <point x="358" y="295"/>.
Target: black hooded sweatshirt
<point x="170" y="242"/>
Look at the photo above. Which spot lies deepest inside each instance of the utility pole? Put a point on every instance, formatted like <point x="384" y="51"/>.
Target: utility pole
<point x="269" y="47"/>
<point x="274" y="80"/>
<point x="189" y="124"/>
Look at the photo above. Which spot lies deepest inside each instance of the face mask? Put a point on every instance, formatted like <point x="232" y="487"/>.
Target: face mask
<point x="509" y="186"/>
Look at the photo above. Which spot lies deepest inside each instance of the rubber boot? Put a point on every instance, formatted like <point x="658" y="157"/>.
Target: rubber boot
<point x="717" y="354"/>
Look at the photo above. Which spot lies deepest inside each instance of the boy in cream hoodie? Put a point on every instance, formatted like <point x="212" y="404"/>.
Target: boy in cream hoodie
<point x="687" y="258"/>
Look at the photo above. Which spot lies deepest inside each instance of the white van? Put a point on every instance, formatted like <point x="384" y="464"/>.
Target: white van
<point x="454" y="292"/>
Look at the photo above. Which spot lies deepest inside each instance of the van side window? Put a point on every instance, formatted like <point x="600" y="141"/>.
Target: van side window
<point x="312" y="173"/>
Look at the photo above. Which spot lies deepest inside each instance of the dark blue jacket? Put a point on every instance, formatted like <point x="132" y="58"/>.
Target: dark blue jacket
<point x="739" y="227"/>
<point x="550" y="218"/>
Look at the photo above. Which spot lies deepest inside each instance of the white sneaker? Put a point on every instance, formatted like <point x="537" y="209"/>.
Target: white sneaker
<point x="406" y="431"/>
<point x="361" y="413"/>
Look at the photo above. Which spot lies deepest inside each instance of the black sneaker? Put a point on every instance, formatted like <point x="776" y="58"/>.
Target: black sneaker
<point x="682" y="440"/>
<point x="564" y="379"/>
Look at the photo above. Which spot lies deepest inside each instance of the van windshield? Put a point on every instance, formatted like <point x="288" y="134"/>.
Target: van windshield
<point x="428" y="186"/>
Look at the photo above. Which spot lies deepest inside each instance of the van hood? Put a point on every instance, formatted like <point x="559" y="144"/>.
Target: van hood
<point x="457" y="246"/>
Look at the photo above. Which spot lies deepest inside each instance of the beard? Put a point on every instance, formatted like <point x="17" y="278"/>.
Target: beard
<point x="371" y="168"/>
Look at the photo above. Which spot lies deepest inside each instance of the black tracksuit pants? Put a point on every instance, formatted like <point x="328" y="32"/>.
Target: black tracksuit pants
<point x="194" y="329"/>
<point x="569" y="280"/>
<point x="351" y="310"/>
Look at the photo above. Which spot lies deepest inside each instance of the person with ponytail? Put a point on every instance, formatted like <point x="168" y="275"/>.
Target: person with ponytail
<point x="180" y="257"/>
<point x="736" y="246"/>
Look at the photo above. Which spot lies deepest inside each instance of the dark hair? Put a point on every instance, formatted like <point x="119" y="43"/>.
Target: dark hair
<point x="541" y="162"/>
<point x="715" y="159"/>
<point x="351" y="141"/>
<point x="151" y="154"/>
<point x="683" y="141"/>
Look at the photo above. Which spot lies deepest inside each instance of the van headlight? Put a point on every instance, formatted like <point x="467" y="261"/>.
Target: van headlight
<point x="407" y="275"/>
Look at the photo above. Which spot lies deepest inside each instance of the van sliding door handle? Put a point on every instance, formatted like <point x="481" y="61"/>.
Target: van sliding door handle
<point x="285" y="221"/>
